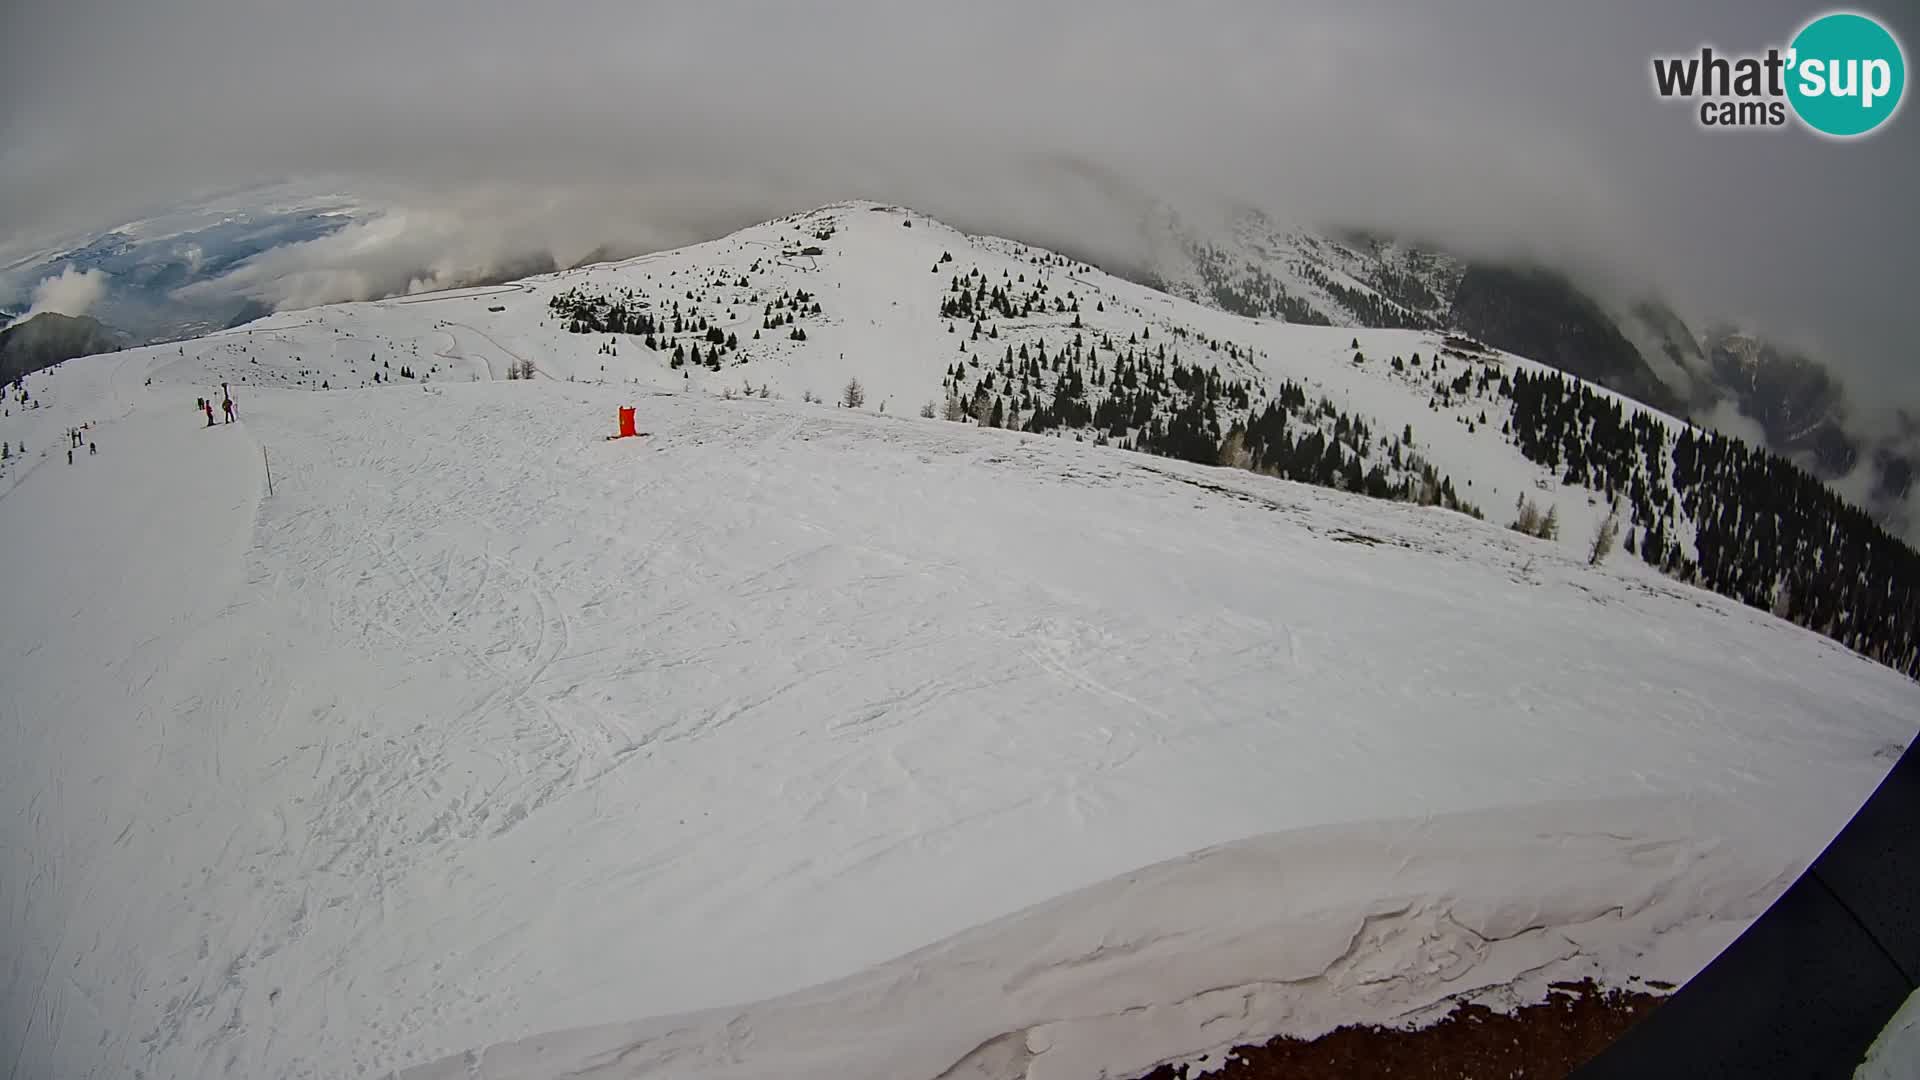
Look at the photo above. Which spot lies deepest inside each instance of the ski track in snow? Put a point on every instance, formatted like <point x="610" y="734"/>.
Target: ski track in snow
<point x="483" y="728"/>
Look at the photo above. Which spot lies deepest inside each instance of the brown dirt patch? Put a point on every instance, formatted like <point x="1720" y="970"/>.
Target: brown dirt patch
<point x="1546" y="1041"/>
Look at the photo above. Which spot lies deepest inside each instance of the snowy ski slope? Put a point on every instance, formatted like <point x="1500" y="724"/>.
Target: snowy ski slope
<point x="796" y="740"/>
<point x="880" y="280"/>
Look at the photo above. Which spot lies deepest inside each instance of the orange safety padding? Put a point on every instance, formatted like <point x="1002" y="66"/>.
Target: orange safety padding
<point x="626" y="423"/>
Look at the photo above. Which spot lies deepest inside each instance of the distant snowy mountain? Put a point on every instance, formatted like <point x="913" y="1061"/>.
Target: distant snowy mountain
<point x="152" y="264"/>
<point x="1251" y="265"/>
<point x="412" y="724"/>
<point x="50" y="338"/>
<point x="1793" y="398"/>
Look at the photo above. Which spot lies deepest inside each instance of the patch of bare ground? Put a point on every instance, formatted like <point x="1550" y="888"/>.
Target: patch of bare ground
<point x="1545" y="1041"/>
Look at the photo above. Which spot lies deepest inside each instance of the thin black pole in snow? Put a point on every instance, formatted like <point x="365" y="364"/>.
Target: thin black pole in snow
<point x="269" y="464"/>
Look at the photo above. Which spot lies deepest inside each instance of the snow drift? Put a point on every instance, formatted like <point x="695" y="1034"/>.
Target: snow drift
<point x="1295" y="933"/>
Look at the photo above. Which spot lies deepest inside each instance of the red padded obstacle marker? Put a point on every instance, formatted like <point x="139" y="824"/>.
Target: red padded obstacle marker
<point x="626" y="423"/>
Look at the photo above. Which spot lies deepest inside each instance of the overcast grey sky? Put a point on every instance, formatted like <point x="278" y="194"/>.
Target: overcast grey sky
<point x="508" y="129"/>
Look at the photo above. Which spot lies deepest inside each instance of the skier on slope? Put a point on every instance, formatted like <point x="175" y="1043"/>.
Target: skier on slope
<point x="208" y="406"/>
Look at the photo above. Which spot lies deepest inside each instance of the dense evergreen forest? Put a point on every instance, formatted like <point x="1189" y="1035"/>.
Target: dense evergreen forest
<point x="1765" y="531"/>
<point x="1142" y="394"/>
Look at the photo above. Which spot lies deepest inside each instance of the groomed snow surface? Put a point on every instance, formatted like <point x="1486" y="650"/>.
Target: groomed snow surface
<point x="791" y="740"/>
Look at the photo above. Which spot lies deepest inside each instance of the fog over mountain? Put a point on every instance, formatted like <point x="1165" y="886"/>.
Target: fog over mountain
<point x="493" y="139"/>
<point x="1055" y="469"/>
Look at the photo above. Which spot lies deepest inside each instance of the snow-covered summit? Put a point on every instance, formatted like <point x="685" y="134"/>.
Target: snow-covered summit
<point x="798" y="307"/>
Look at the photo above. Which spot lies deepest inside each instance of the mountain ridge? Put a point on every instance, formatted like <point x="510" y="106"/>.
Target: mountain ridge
<point x="1004" y="334"/>
<point x="1240" y="260"/>
<point x="1358" y="277"/>
<point x="50" y="338"/>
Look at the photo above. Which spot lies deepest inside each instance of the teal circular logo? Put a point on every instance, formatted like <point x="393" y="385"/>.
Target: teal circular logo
<point x="1846" y="74"/>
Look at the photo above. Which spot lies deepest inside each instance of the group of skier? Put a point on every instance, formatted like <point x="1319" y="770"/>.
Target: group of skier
<point x="78" y="437"/>
<point x="227" y="406"/>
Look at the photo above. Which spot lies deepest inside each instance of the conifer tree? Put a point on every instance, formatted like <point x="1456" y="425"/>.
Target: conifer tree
<point x="1604" y="536"/>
